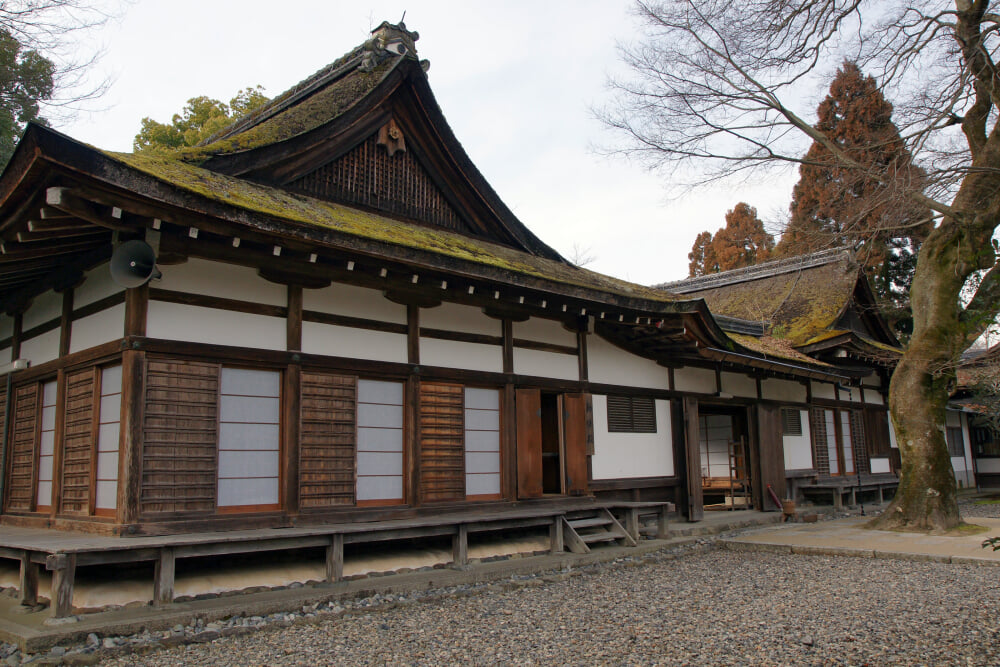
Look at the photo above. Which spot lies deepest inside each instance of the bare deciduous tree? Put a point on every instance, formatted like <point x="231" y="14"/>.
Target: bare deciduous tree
<point x="714" y="88"/>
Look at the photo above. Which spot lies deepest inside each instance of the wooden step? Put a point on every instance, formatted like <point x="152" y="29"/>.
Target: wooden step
<point x="601" y="536"/>
<point x="588" y="523"/>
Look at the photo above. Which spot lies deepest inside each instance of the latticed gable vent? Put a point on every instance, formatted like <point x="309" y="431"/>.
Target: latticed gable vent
<point x="791" y="421"/>
<point x="631" y="414"/>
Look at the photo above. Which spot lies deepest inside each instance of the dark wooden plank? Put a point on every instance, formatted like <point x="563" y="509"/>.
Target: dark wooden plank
<point x="412" y="334"/>
<point x="353" y="322"/>
<point x="508" y="346"/>
<point x="577" y="433"/>
<point x="508" y="443"/>
<point x="327" y="459"/>
<point x="28" y="587"/>
<point x="58" y="450"/>
<point x="335" y="558"/>
<point x="529" y="443"/>
<point x="442" y="442"/>
<point x="581" y="352"/>
<point x="62" y="586"/>
<point x="23" y="429"/>
<point x="130" y="436"/>
<point x="180" y="437"/>
<point x="460" y="546"/>
<point x="294" y="328"/>
<point x="217" y="303"/>
<point x="78" y="442"/>
<point x="692" y="449"/>
<point x="771" y="453"/>
<point x="291" y="426"/>
<point x="136" y="307"/>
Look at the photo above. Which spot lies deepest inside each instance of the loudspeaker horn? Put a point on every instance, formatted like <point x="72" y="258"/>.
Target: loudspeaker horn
<point x="133" y="264"/>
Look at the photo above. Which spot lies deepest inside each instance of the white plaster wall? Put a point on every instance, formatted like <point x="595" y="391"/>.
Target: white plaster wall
<point x="201" y="276"/>
<point x="872" y="380"/>
<point x="174" y="321"/>
<point x="988" y="465"/>
<point x="546" y="364"/>
<point x="97" y="284"/>
<point x="456" y="317"/>
<point x="700" y="380"/>
<point x="783" y="390"/>
<point x="341" y="299"/>
<point x="6" y="331"/>
<point x="958" y="465"/>
<point x="354" y="343"/>
<point x="850" y="394"/>
<point x="612" y="365"/>
<point x="46" y="307"/>
<point x="98" y="328"/>
<point x="892" y="434"/>
<point x="873" y="397"/>
<point x="546" y="331"/>
<point x="953" y="418"/>
<point x="880" y="465"/>
<point x="798" y="448"/>
<point x="626" y="455"/>
<point x="823" y="390"/>
<point x="5" y="355"/>
<point x="737" y="384"/>
<point x="42" y="348"/>
<point x="454" y="354"/>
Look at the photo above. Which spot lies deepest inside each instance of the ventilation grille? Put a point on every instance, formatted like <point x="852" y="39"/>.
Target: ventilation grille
<point x="631" y="414"/>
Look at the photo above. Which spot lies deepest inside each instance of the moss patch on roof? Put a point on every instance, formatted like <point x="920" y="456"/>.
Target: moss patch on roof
<point x="317" y="109"/>
<point x="284" y="205"/>
<point x="772" y="347"/>
<point x="799" y="306"/>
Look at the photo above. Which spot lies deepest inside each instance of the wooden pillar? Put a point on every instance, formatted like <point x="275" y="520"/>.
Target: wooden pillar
<point x="58" y="447"/>
<point x="335" y="558"/>
<point x="413" y="334"/>
<point x="460" y="546"/>
<point x="66" y="322"/>
<point x="136" y="307"/>
<point x="662" y="523"/>
<point x="163" y="579"/>
<point x="63" y="567"/>
<point x="130" y="439"/>
<point x="692" y="449"/>
<point x="411" y="440"/>
<point x="556" y="543"/>
<point x="16" y="336"/>
<point x="632" y="522"/>
<point x="28" y="592"/>
<point x="292" y="399"/>
<point x="508" y="443"/>
<point x="507" y="332"/>
<point x="581" y="354"/>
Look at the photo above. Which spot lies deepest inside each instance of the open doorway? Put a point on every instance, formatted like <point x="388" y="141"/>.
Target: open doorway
<point x="725" y="462"/>
<point x="552" y="456"/>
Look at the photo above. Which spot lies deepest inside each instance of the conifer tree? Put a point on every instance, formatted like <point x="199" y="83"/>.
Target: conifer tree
<point x="742" y="242"/>
<point x="835" y="206"/>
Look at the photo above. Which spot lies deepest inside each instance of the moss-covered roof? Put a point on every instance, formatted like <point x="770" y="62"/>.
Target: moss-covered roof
<point x="288" y="116"/>
<point x="800" y="305"/>
<point x="284" y="205"/>
<point x="772" y="347"/>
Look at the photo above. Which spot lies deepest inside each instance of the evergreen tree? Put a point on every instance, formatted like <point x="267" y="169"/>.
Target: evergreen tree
<point x="742" y="242"/>
<point x="835" y="205"/>
<point x="200" y="118"/>
<point x="26" y="79"/>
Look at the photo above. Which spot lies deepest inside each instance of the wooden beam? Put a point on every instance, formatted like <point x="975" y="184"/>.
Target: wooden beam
<point x="294" y="318"/>
<point x="556" y="543"/>
<point x="67" y="201"/>
<point x="581" y="352"/>
<point x="136" y="307"/>
<point x="413" y="334"/>
<point x="507" y="330"/>
<point x="460" y="546"/>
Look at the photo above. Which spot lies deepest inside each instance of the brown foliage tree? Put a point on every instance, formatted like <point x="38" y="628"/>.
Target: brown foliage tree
<point x="742" y="242"/>
<point x="711" y="91"/>
<point x="837" y="205"/>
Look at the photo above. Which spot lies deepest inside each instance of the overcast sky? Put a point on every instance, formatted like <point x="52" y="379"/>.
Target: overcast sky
<point x="515" y="80"/>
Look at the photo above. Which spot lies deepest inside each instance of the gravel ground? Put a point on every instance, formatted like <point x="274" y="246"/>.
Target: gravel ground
<point x="709" y="608"/>
<point x="971" y="509"/>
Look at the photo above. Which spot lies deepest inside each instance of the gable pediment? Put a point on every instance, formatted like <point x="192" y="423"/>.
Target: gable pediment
<point x="381" y="174"/>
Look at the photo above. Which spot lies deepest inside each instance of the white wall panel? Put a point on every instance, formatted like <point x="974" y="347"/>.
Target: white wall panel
<point x="46" y="307"/>
<point x="337" y="341"/>
<point x="46" y="446"/>
<point x="380" y="441"/>
<point x="102" y="327"/>
<point x="6" y="326"/>
<point x="990" y="466"/>
<point x="698" y="380"/>
<point x="783" y="390"/>
<point x="97" y="284"/>
<point x="873" y="397"/>
<point x="108" y="435"/>
<point x="249" y="437"/>
<point x="798" y="448"/>
<point x="958" y="464"/>
<point x="612" y="365"/>
<point x="202" y="276"/>
<point x="738" y="384"/>
<point x="823" y="390"/>
<point x="174" y="321"/>
<point x="456" y="317"/>
<point x="454" y="354"/>
<point x="545" y="331"/>
<point x="546" y="364"/>
<point x="341" y="299"/>
<point x="482" y="441"/>
<point x="42" y="348"/>
<point x="880" y="466"/>
<point x="624" y="455"/>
